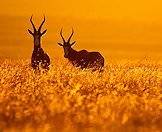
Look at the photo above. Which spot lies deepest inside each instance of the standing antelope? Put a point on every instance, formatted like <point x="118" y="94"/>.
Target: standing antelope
<point x="39" y="57"/>
<point x="83" y="58"/>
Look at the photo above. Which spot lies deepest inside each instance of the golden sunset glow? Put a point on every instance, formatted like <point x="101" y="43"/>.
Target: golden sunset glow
<point x="127" y="28"/>
<point x="46" y="86"/>
<point x="145" y="9"/>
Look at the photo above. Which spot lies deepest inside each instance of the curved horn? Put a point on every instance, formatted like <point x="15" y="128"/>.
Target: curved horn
<point x="32" y="23"/>
<point x="42" y="24"/>
<point x="62" y="36"/>
<point x="71" y="35"/>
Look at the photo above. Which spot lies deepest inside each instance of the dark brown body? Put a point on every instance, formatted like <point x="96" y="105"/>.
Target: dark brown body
<point x="83" y="58"/>
<point x="39" y="57"/>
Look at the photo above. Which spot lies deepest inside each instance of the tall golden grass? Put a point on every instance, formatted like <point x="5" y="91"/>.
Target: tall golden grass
<point x="125" y="97"/>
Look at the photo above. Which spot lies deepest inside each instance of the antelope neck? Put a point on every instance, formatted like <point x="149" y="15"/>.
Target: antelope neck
<point x="72" y="54"/>
<point x="36" y="48"/>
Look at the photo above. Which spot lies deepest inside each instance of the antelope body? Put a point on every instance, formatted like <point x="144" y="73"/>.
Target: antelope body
<point x="39" y="57"/>
<point x="83" y="58"/>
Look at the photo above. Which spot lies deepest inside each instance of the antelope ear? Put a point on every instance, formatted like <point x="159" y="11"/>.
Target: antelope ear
<point x="73" y="43"/>
<point x="44" y="32"/>
<point x="30" y="32"/>
<point x="60" y="44"/>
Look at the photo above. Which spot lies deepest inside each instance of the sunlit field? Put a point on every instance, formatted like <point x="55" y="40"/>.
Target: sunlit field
<point x="125" y="97"/>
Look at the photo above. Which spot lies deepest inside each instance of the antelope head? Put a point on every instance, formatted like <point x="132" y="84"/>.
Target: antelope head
<point x="37" y="34"/>
<point x="66" y="44"/>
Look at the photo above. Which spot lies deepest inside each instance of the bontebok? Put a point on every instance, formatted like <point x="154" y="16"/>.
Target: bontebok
<point x="83" y="58"/>
<point x="39" y="57"/>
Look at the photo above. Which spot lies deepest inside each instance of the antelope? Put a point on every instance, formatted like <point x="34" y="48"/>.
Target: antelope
<point x="39" y="57"/>
<point x="83" y="58"/>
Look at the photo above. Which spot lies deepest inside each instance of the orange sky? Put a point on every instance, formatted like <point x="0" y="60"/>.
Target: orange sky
<point x="113" y="27"/>
<point x="137" y="9"/>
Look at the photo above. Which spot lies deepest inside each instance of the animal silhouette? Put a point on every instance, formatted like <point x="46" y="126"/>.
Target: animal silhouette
<point x="39" y="57"/>
<point x="83" y="58"/>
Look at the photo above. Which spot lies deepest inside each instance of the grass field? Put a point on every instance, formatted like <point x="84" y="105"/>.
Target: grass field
<point x="125" y="97"/>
